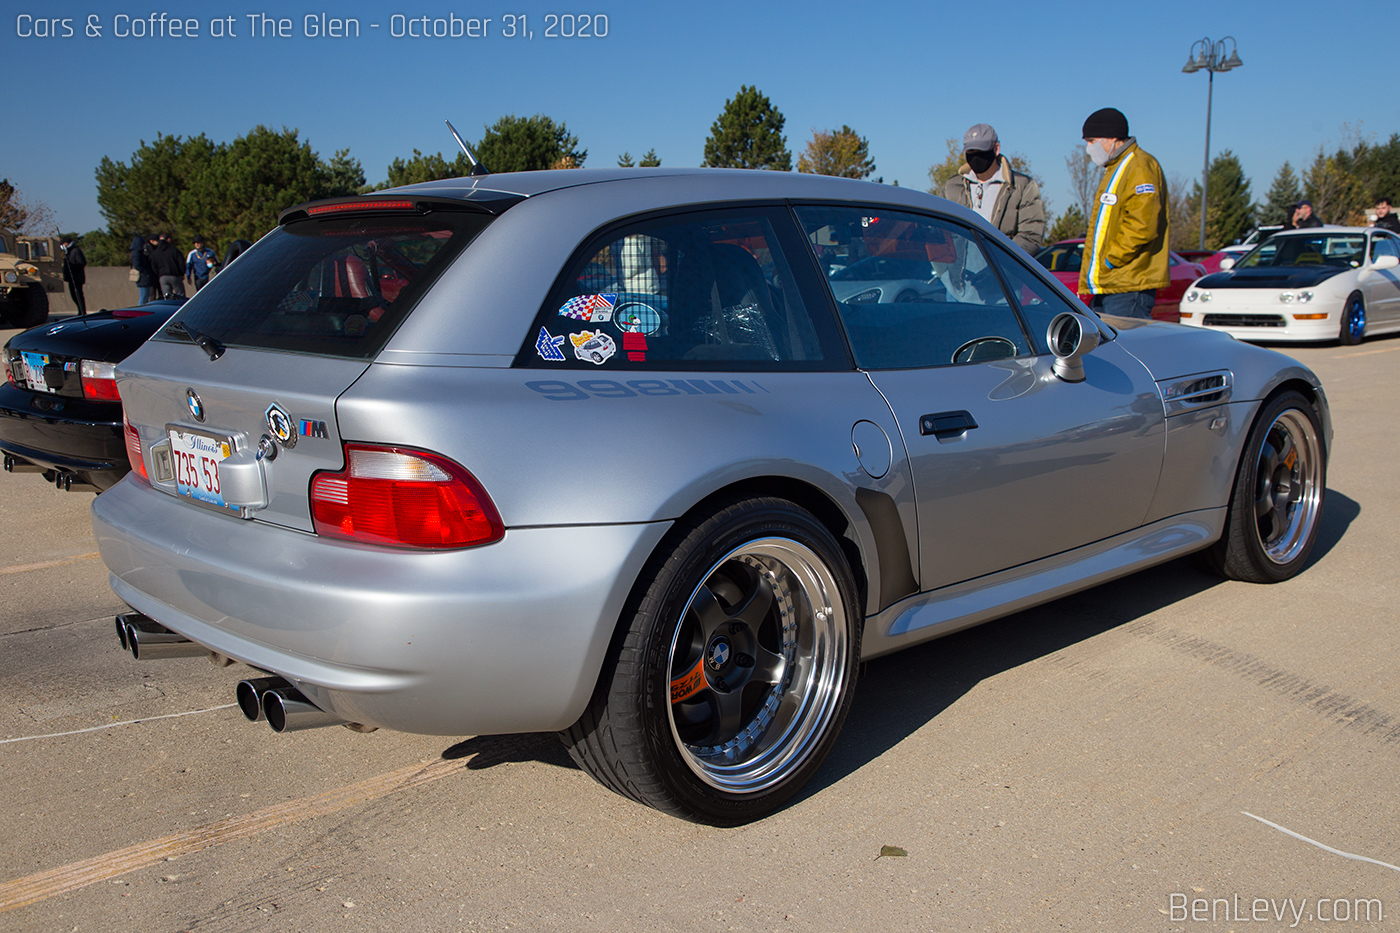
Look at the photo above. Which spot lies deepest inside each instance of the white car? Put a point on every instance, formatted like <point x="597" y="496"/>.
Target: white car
<point x="1322" y="283"/>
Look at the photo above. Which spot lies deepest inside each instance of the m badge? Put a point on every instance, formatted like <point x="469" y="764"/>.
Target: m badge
<point x="313" y="428"/>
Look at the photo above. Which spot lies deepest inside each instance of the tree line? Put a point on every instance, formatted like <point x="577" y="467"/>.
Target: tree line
<point x="225" y="191"/>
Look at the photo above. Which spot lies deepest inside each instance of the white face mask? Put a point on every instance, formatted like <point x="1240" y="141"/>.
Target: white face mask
<point x="1097" y="153"/>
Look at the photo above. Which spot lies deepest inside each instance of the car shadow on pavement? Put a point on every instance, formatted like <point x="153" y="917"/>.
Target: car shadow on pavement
<point x="900" y="693"/>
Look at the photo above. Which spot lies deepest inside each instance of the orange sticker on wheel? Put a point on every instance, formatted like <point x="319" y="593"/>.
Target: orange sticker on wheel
<point x="688" y="684"/>
<point x="1291" y="459"/>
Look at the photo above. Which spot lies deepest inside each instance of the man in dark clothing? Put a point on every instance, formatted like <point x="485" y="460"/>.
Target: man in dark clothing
<point x="1385" y="217"/>
<point x="1304" y="217"/>
<point x="169" y="267"/>
<point x="145" y="281"/>
<point x="74" y="271"/>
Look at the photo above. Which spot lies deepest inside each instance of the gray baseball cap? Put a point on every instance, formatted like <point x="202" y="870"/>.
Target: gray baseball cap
<point x="981" y="138"/>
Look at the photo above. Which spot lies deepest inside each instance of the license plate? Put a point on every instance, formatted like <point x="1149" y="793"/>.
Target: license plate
<point x="34" y="364"/>
<point x="196" y="460"/>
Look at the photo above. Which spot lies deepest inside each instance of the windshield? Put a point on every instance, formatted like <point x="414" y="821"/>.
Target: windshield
<point x="333" y="287"/>
<point x="1344" y="250"/>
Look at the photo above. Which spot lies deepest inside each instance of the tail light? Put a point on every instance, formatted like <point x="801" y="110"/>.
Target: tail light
<point x="99" y="381"/>
<point x="402" y="497"/>
<point x="133" y="448"/>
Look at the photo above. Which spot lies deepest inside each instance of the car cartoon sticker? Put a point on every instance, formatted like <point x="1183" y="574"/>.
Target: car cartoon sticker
<point x="593" y="348"/>
<point x="547" y="346"/>
<point x="637" y="318"/>
<point x="589" y="307"/>
<point x="635" y="345"/>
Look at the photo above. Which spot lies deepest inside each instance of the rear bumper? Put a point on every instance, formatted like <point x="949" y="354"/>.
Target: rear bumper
<point x="504" y="638"/>
<point x="61" y="433"/>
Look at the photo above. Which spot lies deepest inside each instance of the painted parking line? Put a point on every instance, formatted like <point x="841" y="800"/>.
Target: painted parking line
<point x="1368" y="352"/>
<point x="113" y="725"/>
<point x="22" y="568"/>
<point x="46" y="884"/>
<point x="1324" y="847"/>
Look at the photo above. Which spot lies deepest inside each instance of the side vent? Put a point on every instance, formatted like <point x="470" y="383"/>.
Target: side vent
<point x="1197" y="391"/>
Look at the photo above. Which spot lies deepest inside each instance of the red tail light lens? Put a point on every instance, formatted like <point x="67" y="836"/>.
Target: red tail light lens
<point x="402" y="497"/>
<point x="99" y="381"/>
<point x="133" y="449"/>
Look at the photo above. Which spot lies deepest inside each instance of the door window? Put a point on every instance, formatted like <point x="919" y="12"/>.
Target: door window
<point x="1384" y="246"/>
<point x="1036" y="299"/>
<point x="913" y="291"/>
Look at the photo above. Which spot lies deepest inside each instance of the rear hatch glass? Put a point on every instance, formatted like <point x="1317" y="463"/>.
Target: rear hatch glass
<point x="333" y="287"/>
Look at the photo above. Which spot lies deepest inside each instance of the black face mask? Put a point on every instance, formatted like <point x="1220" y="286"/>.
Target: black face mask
<point x="979" y="162"/>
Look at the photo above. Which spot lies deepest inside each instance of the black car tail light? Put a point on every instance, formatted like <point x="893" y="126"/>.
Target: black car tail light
<point x="99" y="381"/>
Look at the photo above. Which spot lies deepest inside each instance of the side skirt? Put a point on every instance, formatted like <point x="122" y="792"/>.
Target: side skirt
<point x="950" y="609"/>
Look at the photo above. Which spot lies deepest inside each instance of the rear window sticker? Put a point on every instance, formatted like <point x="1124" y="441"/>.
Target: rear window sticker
<point x="589" y="307"/>
<point x="637" y="318"/>
<point x="547" y="345"/>
<point x="593" y="348"/>
<point x="635" y="345"/>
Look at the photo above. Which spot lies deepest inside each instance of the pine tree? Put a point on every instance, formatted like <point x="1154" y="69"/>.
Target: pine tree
<point x="748" y="134"/>
<point x="1230" y="212"/>
<point x="1068" y="226"/>
<point x="1283" y="194"/>
<point x="625" y="160"/>
<point x="650" y="160"/>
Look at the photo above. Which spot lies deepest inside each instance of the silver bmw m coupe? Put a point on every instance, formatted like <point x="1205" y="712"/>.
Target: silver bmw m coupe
<point x="606" y="453"/>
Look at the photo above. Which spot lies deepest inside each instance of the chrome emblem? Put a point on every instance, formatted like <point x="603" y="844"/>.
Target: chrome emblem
<point x="196" y="407"/>
<point x="719" y="654"/>
<point x="280" y="424"/>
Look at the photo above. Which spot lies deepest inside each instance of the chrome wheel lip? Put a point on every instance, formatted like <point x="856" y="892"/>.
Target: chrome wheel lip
<point x="804" y="704"/>
<point x="1306" y="475"/>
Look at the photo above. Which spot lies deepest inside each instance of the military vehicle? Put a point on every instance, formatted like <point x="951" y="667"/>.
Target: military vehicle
<point x="30" y="268"/>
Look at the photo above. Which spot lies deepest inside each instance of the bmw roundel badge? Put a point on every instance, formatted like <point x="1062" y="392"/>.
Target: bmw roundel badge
<point x="195" y="405"/>
<point x="280" y="424"/>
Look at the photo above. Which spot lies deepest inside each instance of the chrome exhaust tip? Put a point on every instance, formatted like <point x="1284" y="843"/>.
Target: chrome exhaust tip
<point x="250" y="692"/>
<point x="287" y="710"/>
<point x="147" y="639"/>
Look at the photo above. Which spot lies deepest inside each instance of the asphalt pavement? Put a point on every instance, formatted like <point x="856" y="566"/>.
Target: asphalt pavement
<point x="1167" y="752"/>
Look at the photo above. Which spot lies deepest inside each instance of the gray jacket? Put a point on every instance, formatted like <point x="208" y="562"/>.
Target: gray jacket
<point x="1019" y="213"/>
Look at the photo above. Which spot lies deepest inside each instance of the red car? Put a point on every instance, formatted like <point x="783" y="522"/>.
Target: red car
<point x="1063" y="259"/>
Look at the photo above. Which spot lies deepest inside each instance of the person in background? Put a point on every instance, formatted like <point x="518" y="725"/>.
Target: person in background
<point x="986" y="183"/>
<point x="141" y="262"/>
<point x="1125" y="250"/>
<point x="1304" y="217"/>
<point x="168" y="267"/>
<point x="74" y="271"/>
<point x="1385" y="217"/>
<point x="200" y="264"/>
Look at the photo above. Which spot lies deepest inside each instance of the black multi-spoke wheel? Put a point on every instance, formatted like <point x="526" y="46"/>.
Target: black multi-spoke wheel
<point x="1277" y="500"/>
<point x="736" y="671"/>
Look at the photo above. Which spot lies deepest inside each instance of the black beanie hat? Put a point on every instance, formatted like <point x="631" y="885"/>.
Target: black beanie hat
<point x="1107" y="123"/>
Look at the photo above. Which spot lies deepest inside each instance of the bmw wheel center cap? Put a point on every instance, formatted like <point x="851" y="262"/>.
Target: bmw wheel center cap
<point x="719" y="654"/>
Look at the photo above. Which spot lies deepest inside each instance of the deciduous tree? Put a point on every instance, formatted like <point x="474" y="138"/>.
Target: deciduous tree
<point x="19" y="214"/>
<point x="528" y="144"/>
<point x="841" y="152"/>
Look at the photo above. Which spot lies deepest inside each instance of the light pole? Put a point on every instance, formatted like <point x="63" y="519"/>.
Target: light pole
<point x="1210" y="56"/>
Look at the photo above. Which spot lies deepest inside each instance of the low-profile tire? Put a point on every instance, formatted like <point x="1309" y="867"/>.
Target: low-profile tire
<point x="1276" y="504"/>
<point x="1353" y="329"/>
<point x="734" y="669"/>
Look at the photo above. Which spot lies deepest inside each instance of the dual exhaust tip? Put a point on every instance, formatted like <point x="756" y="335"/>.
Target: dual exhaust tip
<point x="269" y="699"/>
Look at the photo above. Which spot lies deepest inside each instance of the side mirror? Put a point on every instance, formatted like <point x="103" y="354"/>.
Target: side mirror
<point x="1071" y="336"/>
<point x="1386" y="262"/>
<point x="1227" y="264"/>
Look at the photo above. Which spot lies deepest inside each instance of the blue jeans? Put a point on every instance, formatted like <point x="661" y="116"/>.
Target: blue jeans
<point x="147" y="292"/>
<point x="1126" y="304"/>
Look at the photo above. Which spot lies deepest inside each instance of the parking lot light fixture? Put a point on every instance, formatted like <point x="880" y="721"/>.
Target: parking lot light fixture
<point x="1210" y="57"/>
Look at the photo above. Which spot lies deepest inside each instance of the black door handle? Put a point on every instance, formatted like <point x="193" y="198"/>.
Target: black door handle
<point x="946" y="423"/>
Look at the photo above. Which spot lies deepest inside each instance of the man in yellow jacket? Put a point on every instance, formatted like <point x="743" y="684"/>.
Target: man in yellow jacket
<point x="1125" y="251"/>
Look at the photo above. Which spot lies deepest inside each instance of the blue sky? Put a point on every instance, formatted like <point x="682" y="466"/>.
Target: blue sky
<point x="907" y="76"/>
